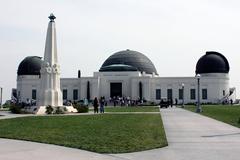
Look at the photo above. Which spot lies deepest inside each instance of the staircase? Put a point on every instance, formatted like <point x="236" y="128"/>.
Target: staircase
<point x="225" y="99"/>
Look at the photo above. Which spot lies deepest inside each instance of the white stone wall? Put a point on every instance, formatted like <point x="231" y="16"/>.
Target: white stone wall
<point x="106" y="78"/>
<point x="70" y="84"/>
<point x="94" y="87"/>
<point x="81" y="85"/>
<point x="25" y="85"/>
<point x="100" y="86"/>
<point x="214" y="83"/>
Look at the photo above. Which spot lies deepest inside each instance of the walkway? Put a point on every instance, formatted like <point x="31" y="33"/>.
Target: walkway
<point x="8" y="115"/>
<point x="23" y="150"/>
<point x="190" y="136"/>
<point x="193" y="137"/>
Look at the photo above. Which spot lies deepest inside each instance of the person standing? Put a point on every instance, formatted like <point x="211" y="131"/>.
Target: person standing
<point x="171" y="102"/>
<point x="176" y="101"/>
<point x="102" y="102"/>
<point x="114" y="101"/>
<point x="95" y="105"/>
<point x="85" y="102"/>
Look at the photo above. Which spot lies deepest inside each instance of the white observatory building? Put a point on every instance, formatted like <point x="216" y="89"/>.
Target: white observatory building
<point x="126" y="73"/>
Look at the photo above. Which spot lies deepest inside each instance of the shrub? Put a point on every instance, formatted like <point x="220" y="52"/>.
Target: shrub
<point x="59" y="110"/>
<point x="190" y="103"/>
<point x="239" y="120"/>
<point x="81" y="108"/>
<point x="6" y="105"/>
<point x="14" y="108"/>
<point x="49" y="110"/>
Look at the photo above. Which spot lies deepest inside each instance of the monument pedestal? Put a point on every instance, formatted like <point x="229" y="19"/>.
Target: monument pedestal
<point x="41" y="110"/>
<point x="71" y="109"/>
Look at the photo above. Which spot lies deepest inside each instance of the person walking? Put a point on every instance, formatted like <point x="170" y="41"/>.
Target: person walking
<point x="95" y="105"/>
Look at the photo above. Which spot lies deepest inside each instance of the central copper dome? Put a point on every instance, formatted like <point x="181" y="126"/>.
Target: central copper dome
<point x="128" y="60"/>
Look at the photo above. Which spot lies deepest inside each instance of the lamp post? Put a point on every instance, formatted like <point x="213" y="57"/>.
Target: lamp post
<point x="182" y="95"/>
<point x="1" y="91"/>
<point x="199" y="108"/>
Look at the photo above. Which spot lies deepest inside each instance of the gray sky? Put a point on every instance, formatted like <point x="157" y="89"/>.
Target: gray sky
<point x="173" y="34"/>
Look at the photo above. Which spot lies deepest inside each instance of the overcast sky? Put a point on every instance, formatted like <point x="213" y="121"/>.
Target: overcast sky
<point x="174" y="34"/>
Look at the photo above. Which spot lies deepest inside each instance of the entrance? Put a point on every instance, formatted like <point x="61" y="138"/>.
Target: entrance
<point x="115" y="89"/>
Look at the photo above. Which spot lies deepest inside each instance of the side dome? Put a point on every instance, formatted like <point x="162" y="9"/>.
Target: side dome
<point x="128" y="60"/>
<point x="31" y="65"/>
<point x="212" y="62"/>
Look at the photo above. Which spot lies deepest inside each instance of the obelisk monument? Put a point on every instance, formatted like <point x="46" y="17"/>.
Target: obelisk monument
<point x="50" y="92"/>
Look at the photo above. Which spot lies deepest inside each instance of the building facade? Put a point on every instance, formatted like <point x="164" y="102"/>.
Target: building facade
<point x="131" y="74"/>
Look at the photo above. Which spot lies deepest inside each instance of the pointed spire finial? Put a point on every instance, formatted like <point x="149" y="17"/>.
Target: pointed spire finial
<point x="52" y="17"/>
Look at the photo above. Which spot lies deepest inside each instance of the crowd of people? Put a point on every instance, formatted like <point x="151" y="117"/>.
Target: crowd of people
<point x="125" y="101"/>
<point x="115" y="101"/>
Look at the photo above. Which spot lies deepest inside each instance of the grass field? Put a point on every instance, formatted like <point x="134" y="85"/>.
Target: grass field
<point x="104" y="133"/>
<point x="132" y="109"/>
<point x="225" y="113"/>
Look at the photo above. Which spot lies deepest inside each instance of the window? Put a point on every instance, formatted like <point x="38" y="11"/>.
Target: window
<point x="65" y="94"/>
<point x="224" y="93"/>
<point x="169" y="93"/>
<point x="192" y="94"/>
<point x="180" y="94"/>
<point x="204" y="94"/>
<point x="75" y="94"/>
<point x="158" y="94"/>
<point x="34" y="94"/>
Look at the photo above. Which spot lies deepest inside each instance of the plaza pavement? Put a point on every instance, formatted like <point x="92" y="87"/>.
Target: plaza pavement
<point x="190" y="136"/>
<point x="193" y="137"/>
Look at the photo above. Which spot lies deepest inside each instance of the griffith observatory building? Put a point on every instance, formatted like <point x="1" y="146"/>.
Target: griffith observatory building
<point x="126" y="73"/>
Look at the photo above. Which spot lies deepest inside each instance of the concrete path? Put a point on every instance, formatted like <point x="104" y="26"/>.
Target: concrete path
<point x="193" y="137"/>
<point x="190" y="136"/>
<point x="23" y="150"/>
<point x="8" y="115"/>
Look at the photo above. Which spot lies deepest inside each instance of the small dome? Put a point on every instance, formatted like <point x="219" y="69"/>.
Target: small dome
<point x="31" y="65"/>
<point x="128" y="60"/>
<point x="212" y="62"/>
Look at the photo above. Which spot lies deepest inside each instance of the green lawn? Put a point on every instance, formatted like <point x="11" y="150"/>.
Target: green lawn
<point x="225" y="113"/>
<point x="132" y="109"/>
<point x="98" y="133"/>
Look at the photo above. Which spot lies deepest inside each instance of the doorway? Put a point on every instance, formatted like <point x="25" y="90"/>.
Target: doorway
<point x="115" y="89"/>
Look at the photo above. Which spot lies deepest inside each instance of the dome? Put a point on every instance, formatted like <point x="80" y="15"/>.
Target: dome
<point x="128" y="60"/>
<point x="30" y="66"/>
<point x="212" y="62"/>
<point x="118" y="67"/>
